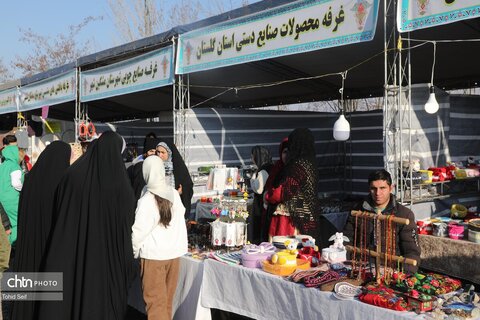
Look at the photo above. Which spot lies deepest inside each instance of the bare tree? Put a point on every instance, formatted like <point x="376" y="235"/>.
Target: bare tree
<point x="48" y="53"/>
<point x="5" y="73"/>
<point x="136" y="19"/>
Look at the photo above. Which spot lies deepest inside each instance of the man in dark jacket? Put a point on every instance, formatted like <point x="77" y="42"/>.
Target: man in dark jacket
<point x="382" y="200"/>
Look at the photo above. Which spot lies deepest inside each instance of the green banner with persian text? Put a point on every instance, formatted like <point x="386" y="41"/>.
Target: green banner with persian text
<point x="419" y="14"/>
<point x="48" y="92"/>
<point x="150" y="70"/>
<point x="293" y="28"/>
<point x="7" y="101"/>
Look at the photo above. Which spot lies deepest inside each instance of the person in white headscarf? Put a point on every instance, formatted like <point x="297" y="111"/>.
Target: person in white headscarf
<point x="159" y="239"/>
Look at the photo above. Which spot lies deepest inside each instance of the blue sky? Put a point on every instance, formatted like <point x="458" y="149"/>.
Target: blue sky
<point x="51" y="17"/>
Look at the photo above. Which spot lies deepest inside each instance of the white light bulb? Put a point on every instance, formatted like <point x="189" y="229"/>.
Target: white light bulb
<point x="341" y="129"/>
<point x="432" y="105"/>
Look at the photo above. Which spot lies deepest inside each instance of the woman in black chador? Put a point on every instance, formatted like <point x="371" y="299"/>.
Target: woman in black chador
<point x="35" y="214"/>
<point x="91" y="239"/>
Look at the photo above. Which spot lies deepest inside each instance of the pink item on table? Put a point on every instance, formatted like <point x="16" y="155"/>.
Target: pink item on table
<point x="253" y="255"/>
<point x="456" y="231"/>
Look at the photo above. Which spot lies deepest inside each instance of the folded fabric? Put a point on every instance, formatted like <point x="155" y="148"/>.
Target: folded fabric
<point x="298" y="276"/>
<point x="430" y="284"/>
<point x="384" y="297"/>
<point x="317" y="281"/>
<point x="229" y="258"/>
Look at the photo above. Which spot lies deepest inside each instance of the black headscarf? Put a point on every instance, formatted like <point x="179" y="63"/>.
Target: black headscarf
<point x="257" y="229"/>
<point x="135" y="171"/>
<point x="262" y="158"/>
<point x="300" y="190"/>
<point x="180" y="173"/>
<point x="35" y="214"/>
<point x="149" y="144"/>
<point x="91" y="239"/>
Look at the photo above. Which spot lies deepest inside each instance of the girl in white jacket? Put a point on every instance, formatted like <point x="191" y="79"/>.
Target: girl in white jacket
<point x="159" y="238"/>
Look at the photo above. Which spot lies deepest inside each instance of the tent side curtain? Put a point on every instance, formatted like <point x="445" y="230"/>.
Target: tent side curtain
<point x="414" y="15"/>
<point x="464" y="135"/>
<point x="226" y="136"/>
<point x="293" y="28"/>
<point x="451" y="134"/>
<point x="144" y="72"/>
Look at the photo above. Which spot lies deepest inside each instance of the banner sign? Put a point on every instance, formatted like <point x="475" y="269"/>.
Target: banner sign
<point x="289" y="29"/>
<point x="7" y="101"/>
<point x="420" y="14"/>
<point x="48" y="92"/>
<point x="150" y="70"/>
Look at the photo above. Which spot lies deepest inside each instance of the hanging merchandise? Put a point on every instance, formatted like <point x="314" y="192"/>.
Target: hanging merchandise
<point x="384" y="226"/>
<point x="230" y="228"/>
<point x="21" y="133"/>
<point x="86" y="129"/>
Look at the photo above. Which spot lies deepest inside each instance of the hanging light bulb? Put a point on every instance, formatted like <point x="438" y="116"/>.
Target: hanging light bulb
<point x="341" y="129"/>
<point x="432" y="105"/>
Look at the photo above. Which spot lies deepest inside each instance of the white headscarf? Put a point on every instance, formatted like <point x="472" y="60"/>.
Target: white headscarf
<point x="154" y="175"/>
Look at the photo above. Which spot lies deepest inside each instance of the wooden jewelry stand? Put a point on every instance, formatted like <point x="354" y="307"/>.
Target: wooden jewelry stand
<point x="378" y="254"/>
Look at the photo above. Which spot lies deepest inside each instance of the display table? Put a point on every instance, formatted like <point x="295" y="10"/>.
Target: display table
<point x="259" y="295"/>
<point x="186" y="303"/>
<point x="203" y="211"/>
<point x="456" y="258"/>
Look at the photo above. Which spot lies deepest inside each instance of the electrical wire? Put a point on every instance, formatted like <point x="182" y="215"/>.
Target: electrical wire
<point x="276" y="83"/>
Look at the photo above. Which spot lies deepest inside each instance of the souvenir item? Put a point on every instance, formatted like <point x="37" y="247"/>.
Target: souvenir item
<point x="430" y="284"/>
<point x="456" y="230"/>
<point x="334" y="255"/>
<point x="338" y="239"/>
<point x="336" y="252"/>
<point x="440" y="229"/>
<point x="253" y="255"/>
<point x="420" y="303"/>
<point x="458" y="211"/>
<point x="424" y="227"/>
<point x="287" y="256"/>
<point x="381" y="296"/>
<point x="232" y="258"/>
<point x="279" y="241"/>
<point x="284" y="270"/>
<point x="346" y="291"/>
<point x="320" y="279"/>
<point x="230" y="235"/>
<point x="309" y="251"/>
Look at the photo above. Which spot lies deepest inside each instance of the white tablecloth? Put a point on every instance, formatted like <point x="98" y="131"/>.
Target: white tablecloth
<point x="259" y="295"/>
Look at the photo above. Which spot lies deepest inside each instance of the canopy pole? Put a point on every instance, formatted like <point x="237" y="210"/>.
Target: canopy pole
<point x="76" y="120"/>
